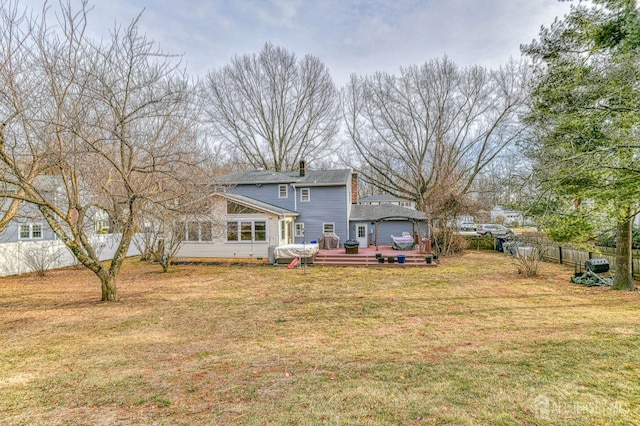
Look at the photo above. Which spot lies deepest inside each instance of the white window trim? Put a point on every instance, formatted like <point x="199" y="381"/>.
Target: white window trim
<point x="332" y="224"/>
<point x="102" y="225"/>
<point x="286" y="191"/>
<point x="30" y="237"/>
<point x="304" y="199"/>
<point x="299" y="227"/>
<point x="253" y="231"/>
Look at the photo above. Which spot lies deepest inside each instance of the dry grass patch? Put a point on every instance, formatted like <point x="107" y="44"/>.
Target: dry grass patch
<point x="469" y="342"/>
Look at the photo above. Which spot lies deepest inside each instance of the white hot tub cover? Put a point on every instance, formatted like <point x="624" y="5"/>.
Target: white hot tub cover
<point x="296" y="250"/>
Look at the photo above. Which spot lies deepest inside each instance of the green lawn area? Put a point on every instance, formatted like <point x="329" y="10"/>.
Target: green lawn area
<point x="470" y="342"/>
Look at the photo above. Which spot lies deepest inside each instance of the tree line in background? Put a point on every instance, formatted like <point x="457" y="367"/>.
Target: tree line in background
<point x="120" y="125"/>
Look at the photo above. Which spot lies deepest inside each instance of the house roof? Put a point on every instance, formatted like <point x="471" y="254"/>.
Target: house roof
<point x="376" y="198"/>
<point x="311" y="177"/>
<point x="504" y="210"/>
<point x="378" y="212"/>
<point x="260" y="205"/>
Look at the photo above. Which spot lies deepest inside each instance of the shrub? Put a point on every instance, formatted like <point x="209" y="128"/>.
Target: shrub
<point x="447" y="242"/>
<point x="527" y="261"/>
<point x="40" y="256"/>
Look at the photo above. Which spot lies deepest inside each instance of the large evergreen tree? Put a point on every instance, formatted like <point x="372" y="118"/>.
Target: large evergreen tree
<point x="586" y="111"/>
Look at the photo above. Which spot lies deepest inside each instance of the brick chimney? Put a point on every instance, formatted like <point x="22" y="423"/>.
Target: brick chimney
<point x="303" y="167"/>
<point x="354" y="188"/>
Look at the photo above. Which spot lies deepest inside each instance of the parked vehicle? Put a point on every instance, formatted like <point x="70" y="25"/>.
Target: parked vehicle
<point x="468" y="226"/>
<point x="493" y="229"/>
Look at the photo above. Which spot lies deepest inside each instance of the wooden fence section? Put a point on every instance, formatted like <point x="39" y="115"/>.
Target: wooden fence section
<point x="575" y="257"/>
<point x="553" y="252"/>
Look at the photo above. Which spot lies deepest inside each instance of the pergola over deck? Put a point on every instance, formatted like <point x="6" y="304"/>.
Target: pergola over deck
<point x="377" y="213"/>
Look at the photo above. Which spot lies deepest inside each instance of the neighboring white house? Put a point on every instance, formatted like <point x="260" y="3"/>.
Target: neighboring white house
<point x="510" y="216"/>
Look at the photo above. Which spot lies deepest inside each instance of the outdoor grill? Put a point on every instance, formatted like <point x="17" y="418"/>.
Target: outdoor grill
<point x="351" y="246"/>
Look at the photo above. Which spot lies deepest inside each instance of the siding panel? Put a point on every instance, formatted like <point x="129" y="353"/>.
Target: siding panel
<point x="327" y="205"/>
<point x="267" y="193"/>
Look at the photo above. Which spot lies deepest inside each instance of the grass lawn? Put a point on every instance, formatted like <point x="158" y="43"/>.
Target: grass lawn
<point x="470" y="342"/>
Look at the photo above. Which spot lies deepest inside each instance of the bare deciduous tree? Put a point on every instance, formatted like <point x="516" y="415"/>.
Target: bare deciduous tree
<point x="162" y="234"/>
<point x="429" y="131"/>
<point x="111" y="120"/>
<point x="164" y="227"/>
<point x="14" y="64"/>
<point x="271" y="111"/>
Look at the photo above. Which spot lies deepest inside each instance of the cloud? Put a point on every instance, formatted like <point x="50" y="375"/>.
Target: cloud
<point x="359" y="36"/>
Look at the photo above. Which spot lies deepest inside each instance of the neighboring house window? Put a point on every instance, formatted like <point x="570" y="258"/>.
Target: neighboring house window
<point x="283" y="191"/>
<point x="102" y="226"/>
<point x="300" y="229"/>
<point x="328" y="228"/>
<point x="196" y="231"/>
<point x="30" y="231"/>
<point x="245" y="230"/>
<point x="305" y="195"/>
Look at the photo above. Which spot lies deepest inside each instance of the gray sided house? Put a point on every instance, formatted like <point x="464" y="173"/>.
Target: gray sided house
<point x="321" y="198"/>
<point x="252" y="213"/>
<point x="29" y="225"/>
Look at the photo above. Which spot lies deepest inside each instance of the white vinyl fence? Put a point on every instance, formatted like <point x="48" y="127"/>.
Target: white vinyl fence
<point x="28" y="256"/>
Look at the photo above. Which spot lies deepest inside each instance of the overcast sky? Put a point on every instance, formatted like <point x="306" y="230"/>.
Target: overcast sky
<point x="349" y="36"/>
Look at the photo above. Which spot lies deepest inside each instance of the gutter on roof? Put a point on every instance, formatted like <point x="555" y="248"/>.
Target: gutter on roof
<point x="299" y="184"/>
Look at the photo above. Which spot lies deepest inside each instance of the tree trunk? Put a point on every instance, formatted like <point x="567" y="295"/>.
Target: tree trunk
<point x="165" y="263"/>
<point x="109" y="290"/>
<point x="624" y="273"/>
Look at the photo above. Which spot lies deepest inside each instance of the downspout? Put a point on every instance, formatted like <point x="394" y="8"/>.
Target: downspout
<point x="295" y="209"/>
<point x="295" y="198"/>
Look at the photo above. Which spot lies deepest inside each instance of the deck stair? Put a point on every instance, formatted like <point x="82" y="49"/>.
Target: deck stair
<point x="368" y="258"/>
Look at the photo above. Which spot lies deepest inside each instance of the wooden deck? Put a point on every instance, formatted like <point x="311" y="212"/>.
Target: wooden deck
<point x="367" y="257"/>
